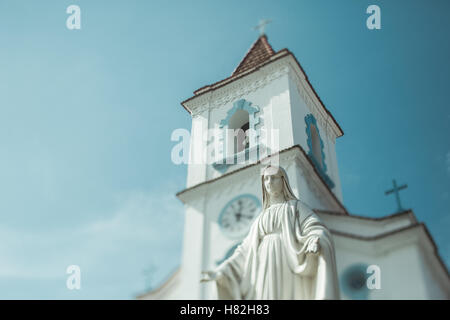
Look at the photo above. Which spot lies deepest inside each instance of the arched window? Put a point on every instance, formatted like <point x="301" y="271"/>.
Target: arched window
<point x="315" y="143"/>
<point x="316" y="147"/>
<point x="238" y="135"/>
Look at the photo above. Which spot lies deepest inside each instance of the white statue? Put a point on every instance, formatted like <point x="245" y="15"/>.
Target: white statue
<point x="287" y="254"/>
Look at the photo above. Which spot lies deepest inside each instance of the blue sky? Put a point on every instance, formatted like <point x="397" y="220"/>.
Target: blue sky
<point x="86" y="117"/>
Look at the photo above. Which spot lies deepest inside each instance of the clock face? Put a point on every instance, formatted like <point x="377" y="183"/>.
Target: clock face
<point x="237" y="216"/>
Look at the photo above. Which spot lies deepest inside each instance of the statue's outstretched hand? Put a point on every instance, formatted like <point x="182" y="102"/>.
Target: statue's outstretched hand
<point x="211" y="276"/>
<point x="313" y="246"/>
<point x="309" y="266"/>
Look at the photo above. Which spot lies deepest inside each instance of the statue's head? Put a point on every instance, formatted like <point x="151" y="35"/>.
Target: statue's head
<point x="275" y="182"/>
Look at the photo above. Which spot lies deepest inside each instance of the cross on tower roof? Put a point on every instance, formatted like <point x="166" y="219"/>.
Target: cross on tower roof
<point x="395" y="190"/>
<point x="261" y="26"/>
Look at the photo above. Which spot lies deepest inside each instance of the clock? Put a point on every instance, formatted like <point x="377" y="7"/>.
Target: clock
<point x="237" y="216"/>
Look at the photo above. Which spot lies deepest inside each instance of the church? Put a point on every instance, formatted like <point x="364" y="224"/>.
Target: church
<point x="269" y="98"/>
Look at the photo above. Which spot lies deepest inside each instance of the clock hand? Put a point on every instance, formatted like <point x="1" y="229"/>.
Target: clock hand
<point x="238" y="214"/>
<point x="234" y="214"/>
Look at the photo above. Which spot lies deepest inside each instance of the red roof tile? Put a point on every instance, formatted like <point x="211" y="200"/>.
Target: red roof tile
<point x="259" y="52"/>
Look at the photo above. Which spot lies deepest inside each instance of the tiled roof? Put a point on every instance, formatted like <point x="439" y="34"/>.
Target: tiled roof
<point x="259" y="52"/>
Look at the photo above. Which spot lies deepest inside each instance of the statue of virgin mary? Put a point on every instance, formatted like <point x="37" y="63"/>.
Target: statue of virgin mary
<point x="287" y="254"/>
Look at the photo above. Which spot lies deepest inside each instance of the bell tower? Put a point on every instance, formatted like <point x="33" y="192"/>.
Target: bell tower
<point x="266" y="109"/>
<point x="267" y="92"/>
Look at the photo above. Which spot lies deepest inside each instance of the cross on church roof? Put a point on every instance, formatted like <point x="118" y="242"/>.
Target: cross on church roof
<point x="261" y="26"/>
<point x="395" y="190"/>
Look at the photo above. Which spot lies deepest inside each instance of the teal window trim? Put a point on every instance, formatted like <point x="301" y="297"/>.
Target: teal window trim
<point x="321" y="167"/>
<point x="242" y="104"/>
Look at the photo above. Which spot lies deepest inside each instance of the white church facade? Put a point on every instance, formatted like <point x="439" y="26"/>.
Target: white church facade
<point x="270" y="97"/>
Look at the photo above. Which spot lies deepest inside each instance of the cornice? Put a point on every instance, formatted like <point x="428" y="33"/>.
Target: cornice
<point x="429" y="247"/>
<point x="311" y="101"/>
<point x="294" y="153"/>
<point x="239" y="88"/>
<point x="235" y="87"/>
<point x="251" y="82"/>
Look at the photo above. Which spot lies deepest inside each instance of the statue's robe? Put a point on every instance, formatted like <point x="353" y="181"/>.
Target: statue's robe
<point x="271" y="262"/>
